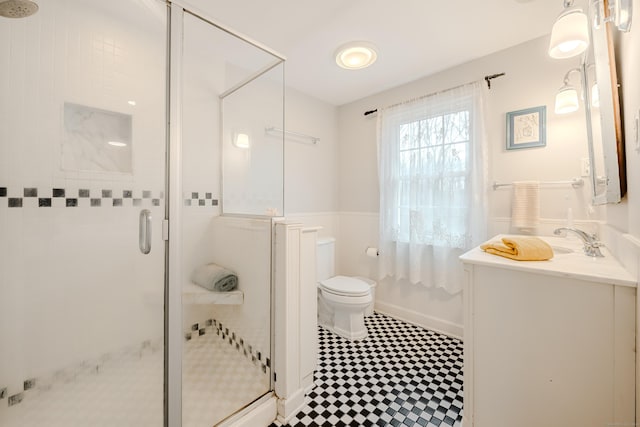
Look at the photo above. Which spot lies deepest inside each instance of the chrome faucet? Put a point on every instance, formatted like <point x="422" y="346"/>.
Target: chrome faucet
<point x="591" y="244"/>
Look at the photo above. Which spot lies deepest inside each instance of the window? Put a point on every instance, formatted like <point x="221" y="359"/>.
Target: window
<point x="433" y="175"/>
<point x="432" y="186"/>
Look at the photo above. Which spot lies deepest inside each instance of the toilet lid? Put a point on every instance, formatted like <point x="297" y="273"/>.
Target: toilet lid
<point x="342" y="285"/>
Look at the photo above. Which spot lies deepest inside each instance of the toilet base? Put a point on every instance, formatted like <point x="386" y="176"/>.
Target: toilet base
<point x="347" y="324"/>
<point x="350" y="335"/>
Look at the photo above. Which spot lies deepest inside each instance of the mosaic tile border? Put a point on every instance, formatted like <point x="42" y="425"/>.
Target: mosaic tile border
<point x="256" y="356"/>
<point x="70" y="373"/>
<point x="71" y="198"/>
<point x="28" y="197"/>
<point x="196" y="198"/>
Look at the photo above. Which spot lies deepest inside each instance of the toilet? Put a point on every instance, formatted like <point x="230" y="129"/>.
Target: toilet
<point x="343" y="301"/>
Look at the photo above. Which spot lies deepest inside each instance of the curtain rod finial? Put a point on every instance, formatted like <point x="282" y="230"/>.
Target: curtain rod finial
<point x="491" y="77"/>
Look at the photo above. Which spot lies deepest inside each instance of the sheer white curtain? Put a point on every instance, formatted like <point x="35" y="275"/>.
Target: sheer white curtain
<point x="432" y="167"/>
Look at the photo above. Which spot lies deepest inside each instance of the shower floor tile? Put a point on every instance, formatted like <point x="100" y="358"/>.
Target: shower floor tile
<point x="217" y="381"/>
<point x="127" y="391"/>
<point x="400" y="375"/>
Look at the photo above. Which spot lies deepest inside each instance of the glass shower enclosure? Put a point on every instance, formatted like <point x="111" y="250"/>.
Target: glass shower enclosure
<point x="134" y="150"/>
<point x="232" y="173"/>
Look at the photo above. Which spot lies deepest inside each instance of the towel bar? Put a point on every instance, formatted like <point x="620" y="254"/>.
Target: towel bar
<point x="575" y="183"/>
<point x="312" y="139"/>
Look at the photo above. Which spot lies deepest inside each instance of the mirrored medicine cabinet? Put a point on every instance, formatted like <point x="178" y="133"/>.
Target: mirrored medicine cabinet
<point x="603" y="116"/>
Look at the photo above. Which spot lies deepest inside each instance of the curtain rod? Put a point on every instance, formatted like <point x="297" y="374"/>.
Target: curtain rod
<point x="486" y="78"/>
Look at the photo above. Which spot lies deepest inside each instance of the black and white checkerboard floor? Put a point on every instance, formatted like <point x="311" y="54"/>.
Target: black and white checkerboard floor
<point x="400" y="375"/>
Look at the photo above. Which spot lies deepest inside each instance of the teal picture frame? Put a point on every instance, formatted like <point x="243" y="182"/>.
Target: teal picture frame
<point x="527" y="128"/>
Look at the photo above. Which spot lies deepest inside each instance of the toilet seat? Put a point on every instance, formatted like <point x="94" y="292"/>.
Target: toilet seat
<point x="345" y="286"/>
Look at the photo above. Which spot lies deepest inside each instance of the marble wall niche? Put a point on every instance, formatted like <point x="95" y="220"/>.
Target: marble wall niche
<point x="96" y="140"/>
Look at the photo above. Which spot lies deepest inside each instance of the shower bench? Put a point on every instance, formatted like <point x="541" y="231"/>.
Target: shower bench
<point x="194" y="294"/>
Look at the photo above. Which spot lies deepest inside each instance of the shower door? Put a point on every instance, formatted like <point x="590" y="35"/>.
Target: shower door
<point x="82" y="196"/>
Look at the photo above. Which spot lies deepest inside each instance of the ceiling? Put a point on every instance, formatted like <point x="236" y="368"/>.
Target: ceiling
<point x="415" y="38"/>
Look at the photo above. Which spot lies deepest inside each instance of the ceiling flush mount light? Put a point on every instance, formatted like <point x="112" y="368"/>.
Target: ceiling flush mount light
<point x="567" y="96"/>
<point x="356" y="55"/>
<point x="570" y="33"/>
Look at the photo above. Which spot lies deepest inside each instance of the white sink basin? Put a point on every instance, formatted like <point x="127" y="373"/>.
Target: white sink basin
<point x="560" y="250"/>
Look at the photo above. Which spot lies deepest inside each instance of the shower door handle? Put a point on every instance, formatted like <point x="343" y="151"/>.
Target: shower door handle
<point x="144" y="228"/>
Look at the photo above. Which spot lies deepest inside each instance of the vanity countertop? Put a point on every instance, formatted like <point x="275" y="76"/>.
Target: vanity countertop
<point x="568" y="261"/>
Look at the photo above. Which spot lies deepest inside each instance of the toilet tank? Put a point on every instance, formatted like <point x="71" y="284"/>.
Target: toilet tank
<point x="325" y="258"/>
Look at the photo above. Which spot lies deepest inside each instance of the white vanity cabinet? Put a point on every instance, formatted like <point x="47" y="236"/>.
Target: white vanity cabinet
<point x="548" y="343"/>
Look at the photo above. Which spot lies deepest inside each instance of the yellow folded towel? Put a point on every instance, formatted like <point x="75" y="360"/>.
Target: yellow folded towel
<point x="520" y="248"/>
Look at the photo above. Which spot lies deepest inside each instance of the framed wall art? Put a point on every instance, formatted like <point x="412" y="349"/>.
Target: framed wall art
<point x="527" y="128"/>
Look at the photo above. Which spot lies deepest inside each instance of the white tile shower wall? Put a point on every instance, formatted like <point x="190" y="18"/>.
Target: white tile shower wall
<point x="198" y="249"/>
<point x="74" y="52"/>
<point x="64" y="300"/>
<point x="74" y="284"/>
<point x="203" y="81"/>
<point x="196" y="220"/>
<point x="244" y="246"/>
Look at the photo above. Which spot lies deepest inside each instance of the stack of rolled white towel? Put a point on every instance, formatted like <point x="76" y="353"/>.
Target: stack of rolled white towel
<point x="215" y="278"/>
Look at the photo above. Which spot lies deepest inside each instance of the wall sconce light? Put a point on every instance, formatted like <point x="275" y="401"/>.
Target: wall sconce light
<point x="570" y="33"/>
<point x="241" y="140"/>
<point x="617" y="11"/>
<point x="567" y="96"/>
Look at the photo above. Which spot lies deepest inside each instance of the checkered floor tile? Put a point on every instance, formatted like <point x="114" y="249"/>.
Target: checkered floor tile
<point x="400" y="375"/>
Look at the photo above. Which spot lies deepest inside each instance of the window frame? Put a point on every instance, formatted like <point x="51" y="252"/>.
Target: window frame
<point x="404" y="210"/>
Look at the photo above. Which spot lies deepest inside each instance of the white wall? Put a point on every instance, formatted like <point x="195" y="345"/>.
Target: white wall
<point x="311" y="170"/>
<point x="532" y="79"/>
<point x="624" y="218"/>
